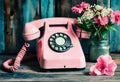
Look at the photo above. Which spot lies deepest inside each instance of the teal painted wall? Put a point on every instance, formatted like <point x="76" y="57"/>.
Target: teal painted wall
<point x="47" y="8"/>
<point x="2" y="41"/>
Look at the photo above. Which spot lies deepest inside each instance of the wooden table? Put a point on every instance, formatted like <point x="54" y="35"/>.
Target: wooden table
<point x="30" y="71"/>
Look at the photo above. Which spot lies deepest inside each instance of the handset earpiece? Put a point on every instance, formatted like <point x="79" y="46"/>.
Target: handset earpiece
<point x="31" y="32"/>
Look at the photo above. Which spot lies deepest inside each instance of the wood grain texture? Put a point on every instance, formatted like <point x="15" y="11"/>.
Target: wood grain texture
<point x="25" y="11"/>
<point x="10" y="39"/>
<point x="30" y="71"/>
<point x="2" y="40"/>
<point x="30" y="10"/>
<point x="63" y="8"/>
<point x="47" y="8"/>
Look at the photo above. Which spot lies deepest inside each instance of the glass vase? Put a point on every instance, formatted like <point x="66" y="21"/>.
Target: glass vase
<point x="98" y="48"/>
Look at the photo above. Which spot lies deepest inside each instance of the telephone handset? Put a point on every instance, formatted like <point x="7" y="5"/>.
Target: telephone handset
<point x="58" y="46"/>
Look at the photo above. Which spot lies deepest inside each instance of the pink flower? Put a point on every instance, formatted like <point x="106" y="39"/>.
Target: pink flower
<point x="77" y="10"/>
<point x="84" y="5"/>
<point x="104" y="66"/>
<point x="80" y="7"/>
<point x="116" y="17"/>
<point x="101" y="21"/>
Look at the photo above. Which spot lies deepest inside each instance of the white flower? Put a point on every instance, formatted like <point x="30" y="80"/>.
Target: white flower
<point x="98" y="13"/>
<point x="89" y="14"/>
<point x="106" y="12"/>
<point x="79" y="20"/>
<point x="98" y="7"/>
<point x="110" y="10"/>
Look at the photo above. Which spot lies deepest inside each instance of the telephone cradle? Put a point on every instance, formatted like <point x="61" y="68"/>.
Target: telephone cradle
<point x="58" y="46"/>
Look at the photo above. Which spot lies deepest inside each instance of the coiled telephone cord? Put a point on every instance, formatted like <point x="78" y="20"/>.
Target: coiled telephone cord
<point x="16" y="62"/>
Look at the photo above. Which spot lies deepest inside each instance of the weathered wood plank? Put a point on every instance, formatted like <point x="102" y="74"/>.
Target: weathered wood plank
<point x="26" y="11"/>
<point x="30" y="10"/>
<point x="10" y="39"/>
<point x="63" y="8"/>
<point x="29" y="71"/>
<point x="47" y="8"/>
<point x="56" y="77"/>
<point x="2" y="40"/>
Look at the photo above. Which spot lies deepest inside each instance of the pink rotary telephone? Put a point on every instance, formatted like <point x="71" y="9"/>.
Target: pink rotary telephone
<point x="58" y="48"/>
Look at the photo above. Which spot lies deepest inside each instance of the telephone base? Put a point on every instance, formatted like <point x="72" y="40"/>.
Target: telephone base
<point x="61" y="70"/>
<point x="62" y="63"/>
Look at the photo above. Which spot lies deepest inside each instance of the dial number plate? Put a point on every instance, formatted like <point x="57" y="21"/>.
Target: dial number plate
<point x="60" y="42"/>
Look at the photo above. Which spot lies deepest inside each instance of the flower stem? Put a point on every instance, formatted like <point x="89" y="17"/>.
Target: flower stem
<point x="96" y="30"/>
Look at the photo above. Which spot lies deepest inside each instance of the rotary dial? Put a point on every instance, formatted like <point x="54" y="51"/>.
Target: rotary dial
<point x="60" y="42"/>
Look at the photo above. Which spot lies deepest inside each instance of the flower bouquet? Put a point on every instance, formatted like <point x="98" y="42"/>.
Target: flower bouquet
<point x="96" y="19"/>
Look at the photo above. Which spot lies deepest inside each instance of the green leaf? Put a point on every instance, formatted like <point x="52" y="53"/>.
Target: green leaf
<point x="112" y="28"/>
